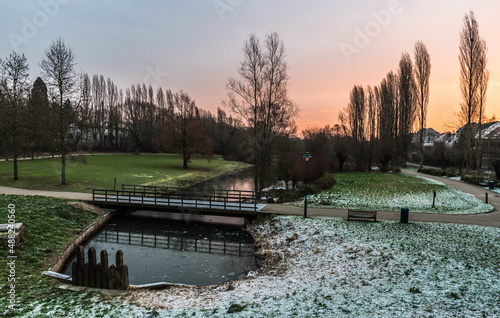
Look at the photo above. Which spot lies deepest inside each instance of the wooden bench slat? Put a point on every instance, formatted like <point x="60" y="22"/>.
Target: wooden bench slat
<point x="361" y="214"/>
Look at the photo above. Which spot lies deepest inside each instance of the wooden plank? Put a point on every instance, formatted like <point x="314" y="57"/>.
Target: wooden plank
<point x="74" y="274"/>
<point x="104" y="269"/>
<point x="124" y="278"/>
<point x="86" y="275"/>
<point x="92" y="267"/>
<point x="80" y="262"/>
<point x="111" y="277"/>
<point x="98" y="276"/>
<point x="119" y="259"/>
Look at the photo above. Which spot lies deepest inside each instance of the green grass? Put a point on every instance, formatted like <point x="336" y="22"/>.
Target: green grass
<point x="101" y="170"/>
<point x="392" y="191"/>
<point x="50" y="224"/>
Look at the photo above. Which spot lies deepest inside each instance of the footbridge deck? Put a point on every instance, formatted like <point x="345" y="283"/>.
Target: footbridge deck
<point x="217" y="202"/>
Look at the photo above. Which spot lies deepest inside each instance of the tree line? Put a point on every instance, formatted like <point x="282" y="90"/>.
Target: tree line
<point x="63" y="112"/>
<point x="380" y="120"/>
<point x="379" y="124"/>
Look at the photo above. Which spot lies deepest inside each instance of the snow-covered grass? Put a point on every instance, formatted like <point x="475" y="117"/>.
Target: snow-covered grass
<point x="327" y="267"/>
<point x="330" y="267"/>
<point x="391" y="192"/>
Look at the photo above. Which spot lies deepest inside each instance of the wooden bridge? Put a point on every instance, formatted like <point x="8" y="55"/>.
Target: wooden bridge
<point x="216" y="202"/>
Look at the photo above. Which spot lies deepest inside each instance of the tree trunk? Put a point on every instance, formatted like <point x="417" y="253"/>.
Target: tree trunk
<point x="16" y="174"/>
<point x="63" y="168"/>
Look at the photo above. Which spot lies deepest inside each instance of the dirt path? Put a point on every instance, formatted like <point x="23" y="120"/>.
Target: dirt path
<point x="486" y="219"/>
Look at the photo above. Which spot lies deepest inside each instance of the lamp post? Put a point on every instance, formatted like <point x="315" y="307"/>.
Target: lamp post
<point x="307" y="156"/>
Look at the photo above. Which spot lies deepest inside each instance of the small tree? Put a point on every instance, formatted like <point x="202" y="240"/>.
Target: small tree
<point x="14" y="83"/>
<point x="58" y="70"/>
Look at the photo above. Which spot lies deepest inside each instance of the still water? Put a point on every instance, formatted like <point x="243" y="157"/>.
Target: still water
<point x="157" y="250"/>
<point x="238" y="180"/>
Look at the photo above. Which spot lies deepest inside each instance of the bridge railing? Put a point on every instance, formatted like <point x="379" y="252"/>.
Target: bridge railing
<point x="230" y="195"/>
<point x="183" y="200"/>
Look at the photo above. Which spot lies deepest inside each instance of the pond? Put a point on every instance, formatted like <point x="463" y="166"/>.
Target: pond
<point x="158" y="250"/>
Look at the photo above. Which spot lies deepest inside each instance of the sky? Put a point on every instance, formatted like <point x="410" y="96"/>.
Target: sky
<point x="196" y="45"/>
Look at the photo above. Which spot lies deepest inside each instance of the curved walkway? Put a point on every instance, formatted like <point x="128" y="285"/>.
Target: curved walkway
<point x="486" y="219"/>
<point x="55" y="194"/>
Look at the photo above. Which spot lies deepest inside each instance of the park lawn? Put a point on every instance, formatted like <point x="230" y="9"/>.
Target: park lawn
<point x="100" y="172"/>
<point x="51" y="224"/>
<point x="392" y="191"/>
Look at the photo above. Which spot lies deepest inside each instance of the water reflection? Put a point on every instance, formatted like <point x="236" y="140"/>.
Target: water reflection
<point x="160" y="250"/>
<point x="239" y="180"/>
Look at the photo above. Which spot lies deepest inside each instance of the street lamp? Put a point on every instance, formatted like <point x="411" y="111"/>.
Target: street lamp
<point x="307" y="156"/>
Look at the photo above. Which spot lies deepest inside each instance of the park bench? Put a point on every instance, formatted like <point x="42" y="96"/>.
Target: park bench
<point x="361" y="214"/>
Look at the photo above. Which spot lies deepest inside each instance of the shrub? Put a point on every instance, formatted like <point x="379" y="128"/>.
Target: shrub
<point x="395" y="169"/>
<point x="326" y="181"/>
<point x="451" y="174"/>
<point x="472" y="179"/>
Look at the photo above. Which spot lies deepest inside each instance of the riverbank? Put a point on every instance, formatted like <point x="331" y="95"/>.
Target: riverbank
<point x="100" y="171"/>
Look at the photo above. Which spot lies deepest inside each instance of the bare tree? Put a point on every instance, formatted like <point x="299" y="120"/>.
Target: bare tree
<point x="388" y="117"/>
<point x="260" y="97"/>
<point x="354" y="115"/>
<point x="371" y="125"/>
<point x="14" y="83"/>
<point x="483" y="89"/>
<point x="184" y="130"/>
<point x="422" y="79"/>
<point x="407" y="105"/>
<point x="472" y="50"/>
<point x="58" y="70"/>
<point x="353" y="119"/>
<point x="388" y="95"/>
<point x="140" y="116"/>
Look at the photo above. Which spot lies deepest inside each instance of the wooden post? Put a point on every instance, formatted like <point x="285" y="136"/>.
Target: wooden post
<point x="74" y="274"/>
<point x="111" y="277"/>
<point x="80" y="262"/>
<point x="92" y="267"/>
<point x="104" y="269"/>
<point x="124" y="275"/>
<point x="98" y="275"/>
<point x="486" y="197"/>
<point x="434" y="199"/>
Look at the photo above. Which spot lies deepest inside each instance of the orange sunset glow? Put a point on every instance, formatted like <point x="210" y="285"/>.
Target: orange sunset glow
<point x="331" y="46"/>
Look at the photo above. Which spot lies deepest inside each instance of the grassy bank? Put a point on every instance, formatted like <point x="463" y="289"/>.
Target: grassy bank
<point x="101" y="170"/>
<point x="390" y="192"/>
<point x="50" y="224"/>
<point x="332" y="268"/>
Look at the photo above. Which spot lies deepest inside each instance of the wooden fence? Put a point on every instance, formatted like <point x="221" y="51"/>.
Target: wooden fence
<point x="99" y="275"/>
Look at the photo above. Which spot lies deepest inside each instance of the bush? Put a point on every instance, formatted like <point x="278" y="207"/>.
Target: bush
<point x="395" y="169"/>
<point x="432" y="172"/>
<point x="326" y="181"/>
<point x="451" y="174"/>
<point x="472" y="179"/>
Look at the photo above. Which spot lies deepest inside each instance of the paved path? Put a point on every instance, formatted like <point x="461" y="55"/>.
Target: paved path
<point x="54" y="194"/>
<point x="486" y="219"/>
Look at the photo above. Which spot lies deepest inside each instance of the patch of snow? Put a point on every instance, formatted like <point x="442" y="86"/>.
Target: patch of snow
<point x="331" y="267"/>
